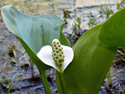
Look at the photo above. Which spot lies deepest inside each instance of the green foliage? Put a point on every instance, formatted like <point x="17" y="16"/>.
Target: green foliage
<point x="93" y="56"/>
<point x="93" y="52"/>
<point x="92" y="22"/>
<point x="90" y="64"/>
<point x="10" y="82"/>
<point x="76" y="28"/>
<point x="76" y="25"/>
<point x="112" y="31"/>
<point x="108" y="79"/>
<point x="34" y="32"/>
<point x="78" y="20"/>
<point x="118" y="6"/>
<point x="107" y="11"/>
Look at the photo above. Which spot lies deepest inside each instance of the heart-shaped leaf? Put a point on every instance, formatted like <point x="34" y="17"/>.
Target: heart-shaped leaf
<point x="34" y="32"/>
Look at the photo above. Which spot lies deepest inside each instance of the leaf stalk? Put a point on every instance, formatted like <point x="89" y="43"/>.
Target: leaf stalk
<point x="45" y="82"/>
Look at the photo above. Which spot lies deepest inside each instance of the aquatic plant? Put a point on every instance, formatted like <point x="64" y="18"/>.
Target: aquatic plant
<point x="93" y="52"/>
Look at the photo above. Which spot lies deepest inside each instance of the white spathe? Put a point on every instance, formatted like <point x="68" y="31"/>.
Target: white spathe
<point x="45" y="55"/>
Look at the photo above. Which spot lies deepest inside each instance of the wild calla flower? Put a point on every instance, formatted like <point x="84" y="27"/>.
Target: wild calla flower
<point x="58" y="56"/>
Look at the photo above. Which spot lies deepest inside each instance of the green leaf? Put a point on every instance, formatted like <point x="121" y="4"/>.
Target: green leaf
<point x="93" y="56"/>
<point x="112" y="31"/>
<point x="92" y="60"/>
<point x="34" y="32"/>
<point x="58" y="83"/>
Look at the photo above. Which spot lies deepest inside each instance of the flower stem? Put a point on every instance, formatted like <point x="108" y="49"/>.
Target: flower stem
<point x="62" y="83"/>
<point x="45" y="82"/>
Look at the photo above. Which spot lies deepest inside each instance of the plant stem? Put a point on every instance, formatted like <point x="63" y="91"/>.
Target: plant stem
<point x="45" y="82"/>
<point x="109" y="77"/>
<point x="62" y="83"/>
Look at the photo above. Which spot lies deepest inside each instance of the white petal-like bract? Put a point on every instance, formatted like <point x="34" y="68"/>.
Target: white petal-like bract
<point x="45" y="55"/>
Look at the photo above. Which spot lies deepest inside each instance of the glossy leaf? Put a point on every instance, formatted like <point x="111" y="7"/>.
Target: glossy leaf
<point x="33" y="31"/>
<point x="92" y="60"/>
<point x="93" y="56"/>
<point x="113" y="30"/>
